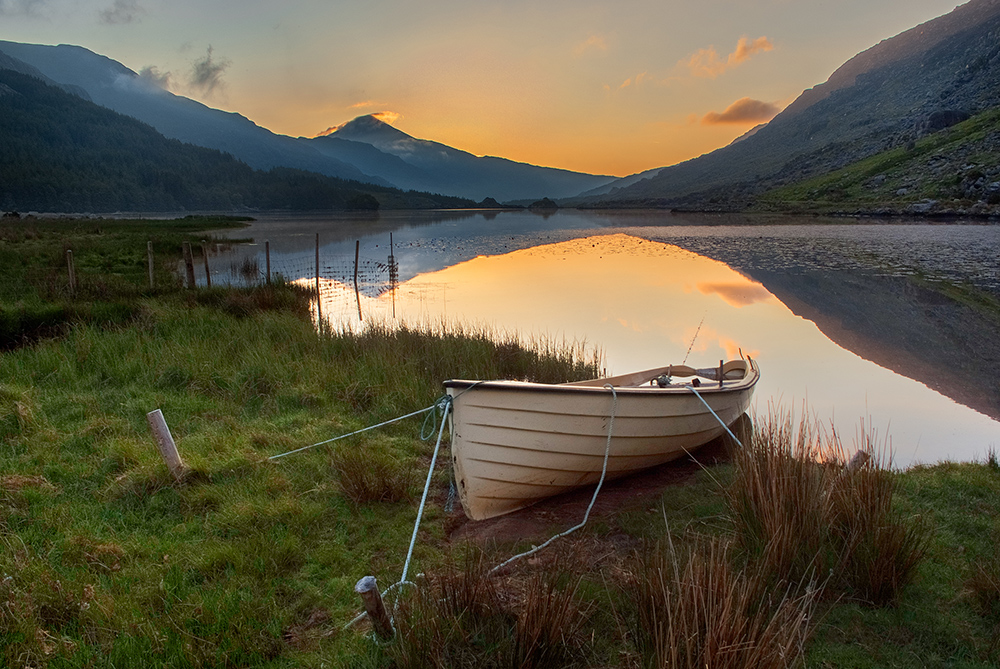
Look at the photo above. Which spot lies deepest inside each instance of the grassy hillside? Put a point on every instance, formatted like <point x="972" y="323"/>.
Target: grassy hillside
<point x="952" y="172"/>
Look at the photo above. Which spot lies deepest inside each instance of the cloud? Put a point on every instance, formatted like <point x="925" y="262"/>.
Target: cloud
<point x="123" y="11"/>
<point x="206" y="74"/>
<point x="592" y="43"/>
<point x="707" y="63"/>
<point x="389" y="117"/>
<point x="636" y="81"/>
<point x="152" y="75"/>
<point x="23" y="7"/>
<point x="744" y="110"/>
<point x="740" y="294"/>
<point x="746" y="48"/>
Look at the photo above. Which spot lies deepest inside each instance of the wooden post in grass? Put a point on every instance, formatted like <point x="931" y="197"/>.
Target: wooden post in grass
<point x="168" y="449"/>
<point x="368" y="590"/>
<point x="149" y="259"/>
<point x="319" y="301"/>
<point x="72" y="272"/>
<point x="267" y="260"/>
<point x="208" y="272"/>
<point x="357" y="293"/>
<point x="189" y="264"/>
<point x="859" y="460"/>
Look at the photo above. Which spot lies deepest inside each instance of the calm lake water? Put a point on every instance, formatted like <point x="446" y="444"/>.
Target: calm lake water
<point x="849" y="321"/>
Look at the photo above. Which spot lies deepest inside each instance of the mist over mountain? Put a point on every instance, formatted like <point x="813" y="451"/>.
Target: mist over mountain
<point x="112" y="85"/>
<point x="365" y="149"/>
<point x="906" y="87"/>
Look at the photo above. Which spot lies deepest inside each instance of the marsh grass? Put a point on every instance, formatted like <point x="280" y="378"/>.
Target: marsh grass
<point x="798" y="511"/>
<point x="696" y="609"/>
<point x="465" y="617"/>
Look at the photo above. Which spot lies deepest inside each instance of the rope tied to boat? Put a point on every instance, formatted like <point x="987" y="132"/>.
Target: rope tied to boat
<point x="447" y="406"/>
<point x="712" y="411"/>
<point x="593" y="499"/>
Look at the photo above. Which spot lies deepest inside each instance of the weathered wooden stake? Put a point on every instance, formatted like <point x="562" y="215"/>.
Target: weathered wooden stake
<point x="858" y="461"/>
<point x="267" y="259"/>
<point x="357" y="293"/>
<point x="189" y="264"/>
<point x="149" y="258"/>
<point x="72" y="272"/>
<point x="368" y="590"/>
<point x="208" y="272"/>
<point x="168" y="449"/>
<point x="722" y="375"/>
<point x="319" y="301"/>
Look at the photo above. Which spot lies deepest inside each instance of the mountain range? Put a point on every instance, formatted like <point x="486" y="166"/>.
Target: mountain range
<point x="886" y="98"/>
<point x="366" y="150"/>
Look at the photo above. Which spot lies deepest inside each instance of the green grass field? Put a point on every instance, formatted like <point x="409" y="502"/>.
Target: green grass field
<point x="106" y="561"/>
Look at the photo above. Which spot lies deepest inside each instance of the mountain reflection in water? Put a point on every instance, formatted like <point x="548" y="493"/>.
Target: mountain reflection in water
<point x="642" y="303"/>
<point x="623" y="284"/>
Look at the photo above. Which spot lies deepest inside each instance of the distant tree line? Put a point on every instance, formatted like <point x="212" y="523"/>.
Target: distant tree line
<point x="59" y="152"/>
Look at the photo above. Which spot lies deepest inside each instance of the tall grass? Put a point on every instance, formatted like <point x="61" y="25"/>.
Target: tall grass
<point x="698" y="610"/>
<point x="798" y="511"/>
<point x="463" y="617"/>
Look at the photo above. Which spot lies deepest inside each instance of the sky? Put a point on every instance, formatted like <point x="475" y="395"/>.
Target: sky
<point x="587" y="85"/>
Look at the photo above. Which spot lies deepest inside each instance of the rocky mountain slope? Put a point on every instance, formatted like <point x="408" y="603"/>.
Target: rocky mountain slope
<point x="888" y="96"/>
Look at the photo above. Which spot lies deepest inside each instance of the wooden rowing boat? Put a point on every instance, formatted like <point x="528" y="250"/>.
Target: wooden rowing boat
<point x="514" y="443"/>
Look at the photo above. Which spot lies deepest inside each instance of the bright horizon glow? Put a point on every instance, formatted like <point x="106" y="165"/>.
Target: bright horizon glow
<point x="588" y="85"/>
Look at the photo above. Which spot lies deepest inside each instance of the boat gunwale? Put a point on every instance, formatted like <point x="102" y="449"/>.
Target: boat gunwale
<point x="748" y="381"/>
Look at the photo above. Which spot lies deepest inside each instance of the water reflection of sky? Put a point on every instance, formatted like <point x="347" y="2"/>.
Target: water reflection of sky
<point x="646" y="303"/>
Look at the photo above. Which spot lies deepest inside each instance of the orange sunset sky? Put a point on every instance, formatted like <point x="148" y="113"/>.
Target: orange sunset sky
<point x="594" y="86"/>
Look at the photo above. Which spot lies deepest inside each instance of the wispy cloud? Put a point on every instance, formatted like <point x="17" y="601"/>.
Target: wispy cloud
<point x="635" y="81"/>
<point x="708" y="63"/>
<point x="22" y="7"/>
<point x="154" y="76"/>
<point x="122" y="12"/>
<point x="592" y="43"/>
<point x="389" y="117"/>
<point x="743" y="111"/>
<point x="206" y="74"/>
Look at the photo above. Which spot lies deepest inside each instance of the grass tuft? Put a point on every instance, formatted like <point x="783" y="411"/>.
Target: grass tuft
<point x="463" y="617"/>
<point x="696" y="610"/>
<point x="371" y="475"/>
<point x="801" y="513"/>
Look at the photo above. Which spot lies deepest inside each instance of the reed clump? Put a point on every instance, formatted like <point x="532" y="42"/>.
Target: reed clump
<point x="696" y="609"/>
<point x="464" y="617"/>
<point x="801" y="513"/>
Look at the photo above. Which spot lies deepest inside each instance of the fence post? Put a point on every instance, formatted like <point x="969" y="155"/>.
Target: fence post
<point x="189" y="265"/>
<point x="149" y="259"/>
<point x="267" y="259"/>
<point x="368" y="590"/>
<point x="168" y="449"/>
<point x="319" y="301"/>
<point x="357" y="294"/>
<point x="208" y="272"/>
<point x="72" y="272"/>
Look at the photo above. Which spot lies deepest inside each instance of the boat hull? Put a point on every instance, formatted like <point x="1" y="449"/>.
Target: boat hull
<point x="514" y="443"/>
